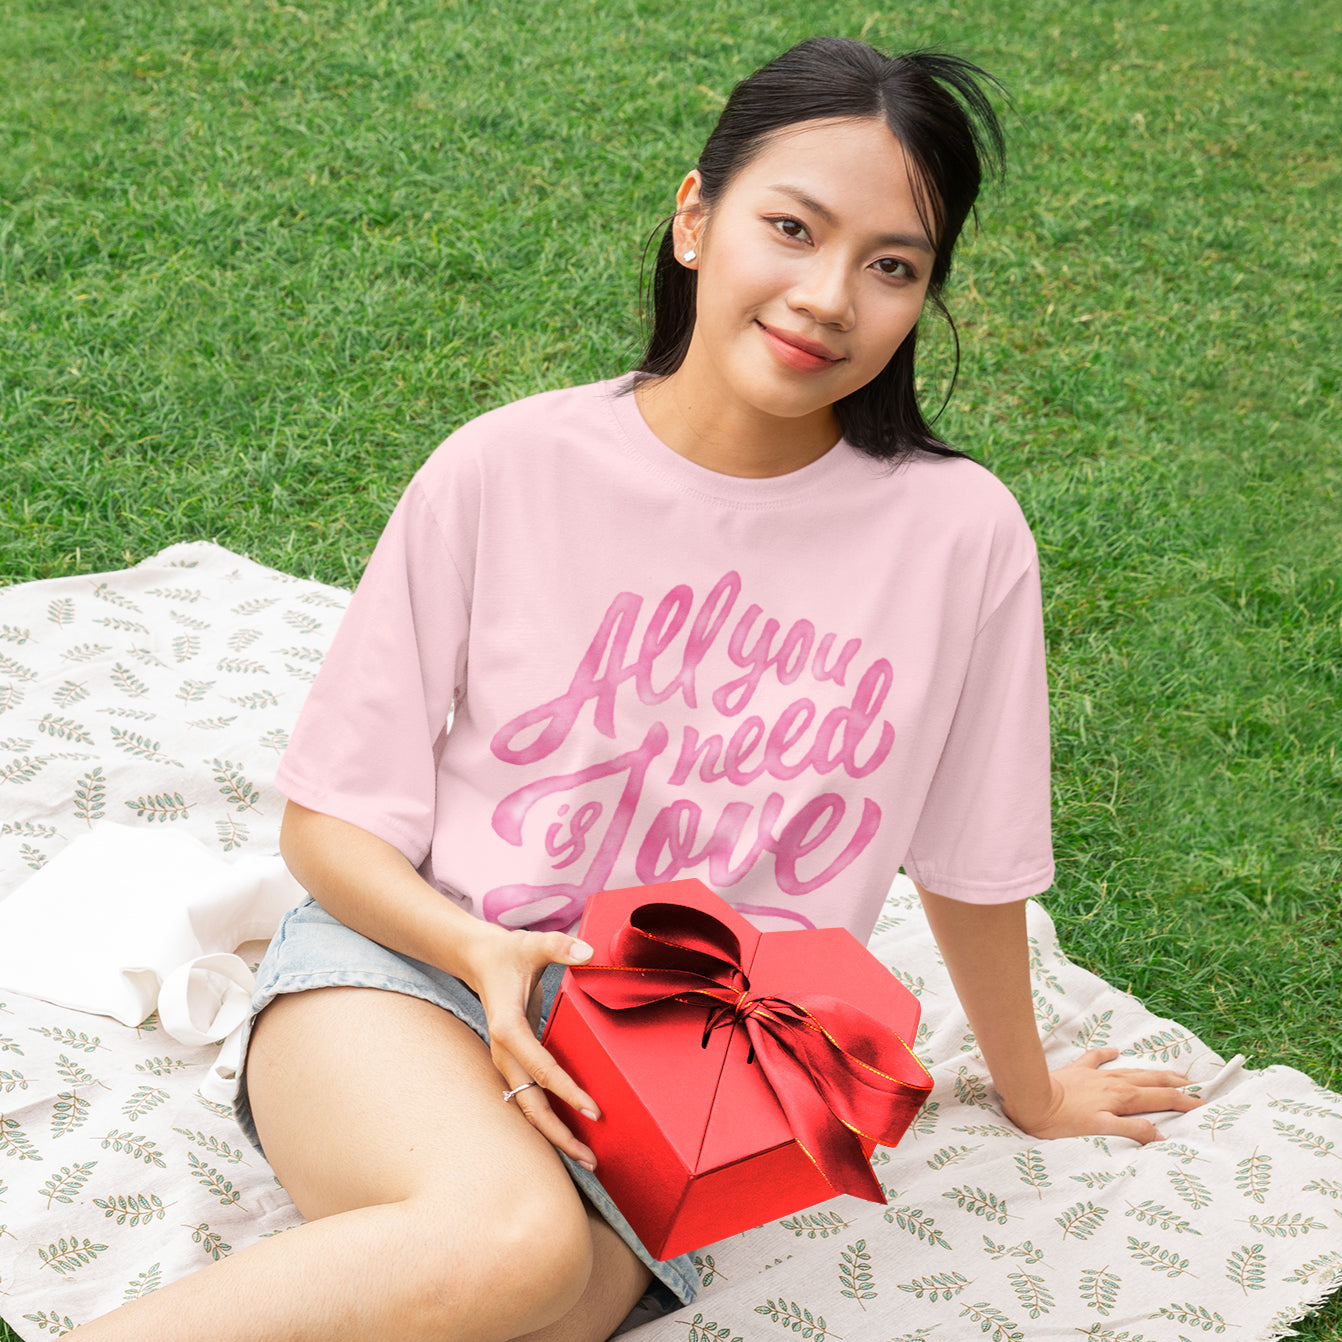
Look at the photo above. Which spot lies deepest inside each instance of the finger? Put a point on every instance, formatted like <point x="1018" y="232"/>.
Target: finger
<point x="1138" y="1129"/>
<point x="535" y="1108"/>
<point x="541" y="1066"/>
<point x="1095" y="1057"/>
<point x="1141" y="1076"/>
<point x="1148" y="1076"/>
<point x="535" y="1004"/>
<point x="1150" y="1100"/>
<point x="552" y="948"/>
<point x="559" y="948"/>
<point x="515" y="1048"/>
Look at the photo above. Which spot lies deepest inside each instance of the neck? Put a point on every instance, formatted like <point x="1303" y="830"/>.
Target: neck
<point x="725" y="436"/>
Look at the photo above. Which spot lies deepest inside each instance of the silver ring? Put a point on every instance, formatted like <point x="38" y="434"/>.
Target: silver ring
<point x="517" y="1090"/>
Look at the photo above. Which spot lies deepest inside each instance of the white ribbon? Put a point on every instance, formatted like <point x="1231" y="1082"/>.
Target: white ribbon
<point x="206" y="1000"/>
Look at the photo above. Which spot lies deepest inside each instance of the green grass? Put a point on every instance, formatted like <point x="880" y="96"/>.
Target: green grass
<point x="257" y="259"/>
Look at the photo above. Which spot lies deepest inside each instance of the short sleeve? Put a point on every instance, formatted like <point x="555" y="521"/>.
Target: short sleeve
<point x="366" y="744"/>
<point x="985" y="831"/>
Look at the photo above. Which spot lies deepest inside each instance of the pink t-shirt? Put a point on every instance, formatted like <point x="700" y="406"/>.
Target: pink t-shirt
<point x="786" y="687"/>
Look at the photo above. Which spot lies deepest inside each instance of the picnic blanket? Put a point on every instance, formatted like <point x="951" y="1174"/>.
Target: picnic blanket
<point x="158" y="699"/>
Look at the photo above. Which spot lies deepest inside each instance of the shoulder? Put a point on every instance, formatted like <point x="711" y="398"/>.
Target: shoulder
<point x="522" y="441"/>
<point x="965" y="525"/>
<point x="535" y="422"/>
<point x="953" y="501"/>
<point x="961" y="491"/>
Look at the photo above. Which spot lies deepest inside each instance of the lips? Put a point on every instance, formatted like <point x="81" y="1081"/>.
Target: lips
<point x="798" y="352"/>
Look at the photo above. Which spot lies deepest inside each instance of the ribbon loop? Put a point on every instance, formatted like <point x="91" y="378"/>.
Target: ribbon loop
<point x="839" y="1075"/>
<point x="659" y="936"/>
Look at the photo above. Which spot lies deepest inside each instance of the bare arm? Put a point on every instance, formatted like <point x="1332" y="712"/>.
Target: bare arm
<point x="987" y="955"/>
<point x="371" y="887"/>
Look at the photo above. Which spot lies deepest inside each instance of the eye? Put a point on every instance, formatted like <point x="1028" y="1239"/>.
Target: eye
<point x="895" y="268"/>
<point x="790" y="228"/>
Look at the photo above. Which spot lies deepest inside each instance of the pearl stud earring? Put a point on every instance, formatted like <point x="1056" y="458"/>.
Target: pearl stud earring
<point x="690" y="255"/>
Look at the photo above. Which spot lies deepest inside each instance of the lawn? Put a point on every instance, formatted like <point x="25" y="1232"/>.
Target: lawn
<point x="256" y="260"/>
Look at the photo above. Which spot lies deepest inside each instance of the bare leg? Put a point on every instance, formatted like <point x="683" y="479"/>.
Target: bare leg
<point x="435" y="1211"/>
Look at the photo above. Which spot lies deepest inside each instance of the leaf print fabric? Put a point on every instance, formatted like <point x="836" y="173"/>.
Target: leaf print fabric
<point x="160" y="698"/>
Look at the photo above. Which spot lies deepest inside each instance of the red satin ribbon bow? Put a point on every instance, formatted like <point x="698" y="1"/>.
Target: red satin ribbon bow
<point x="838" y="1073"/>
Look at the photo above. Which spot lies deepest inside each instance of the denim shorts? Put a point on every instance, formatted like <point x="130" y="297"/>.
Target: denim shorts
<point x="312" y="949"/>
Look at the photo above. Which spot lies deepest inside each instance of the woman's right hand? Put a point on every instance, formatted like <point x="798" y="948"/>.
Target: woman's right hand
<point x="372" y="887"/>
<point x="504" y="971"/>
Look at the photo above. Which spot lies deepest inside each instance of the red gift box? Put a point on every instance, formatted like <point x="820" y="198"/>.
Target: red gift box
<point x="741" y="1075"/>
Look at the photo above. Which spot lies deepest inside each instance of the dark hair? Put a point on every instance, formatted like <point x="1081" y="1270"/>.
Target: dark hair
<point x="936" y="107"/>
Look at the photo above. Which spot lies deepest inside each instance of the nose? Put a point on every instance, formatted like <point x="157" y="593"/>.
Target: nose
<point x="823" y="290"/>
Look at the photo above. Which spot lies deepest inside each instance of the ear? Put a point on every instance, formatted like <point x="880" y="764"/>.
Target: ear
<point x="687" y="228"/>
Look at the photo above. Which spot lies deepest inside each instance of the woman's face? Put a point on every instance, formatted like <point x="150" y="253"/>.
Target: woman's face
<point x="813" y="266"/>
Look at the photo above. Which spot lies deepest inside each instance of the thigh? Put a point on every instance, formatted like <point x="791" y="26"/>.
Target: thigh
<point x="363" y="1096"/>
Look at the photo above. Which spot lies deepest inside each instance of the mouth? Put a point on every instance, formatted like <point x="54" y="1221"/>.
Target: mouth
<point x="798" y="352"/>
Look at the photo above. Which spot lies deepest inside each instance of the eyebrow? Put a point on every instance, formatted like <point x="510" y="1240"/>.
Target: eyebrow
<point x="914" y="240"/>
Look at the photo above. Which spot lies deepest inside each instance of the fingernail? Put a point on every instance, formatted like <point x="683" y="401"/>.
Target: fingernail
<point x="580" y="950"/>
<point x="588" y="1165"/>
<point x="1160" y="1136"/>
<point x="590" y="1113"/>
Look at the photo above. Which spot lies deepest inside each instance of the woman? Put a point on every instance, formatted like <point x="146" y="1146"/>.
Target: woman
<point x="740" y="616"/>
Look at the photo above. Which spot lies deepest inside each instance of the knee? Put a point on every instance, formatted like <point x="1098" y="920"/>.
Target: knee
<point x="530" y="1265"/>
<point x="552" y="1244"/>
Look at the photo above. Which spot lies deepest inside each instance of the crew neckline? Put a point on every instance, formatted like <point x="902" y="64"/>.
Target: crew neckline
<point x="739" y="490"/>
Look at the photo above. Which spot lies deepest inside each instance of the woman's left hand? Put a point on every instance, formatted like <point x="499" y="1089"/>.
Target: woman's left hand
<point x="1090" y="1100"/>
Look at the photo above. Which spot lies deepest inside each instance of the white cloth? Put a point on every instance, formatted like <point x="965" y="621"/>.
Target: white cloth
<point x="125" y="922"/>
